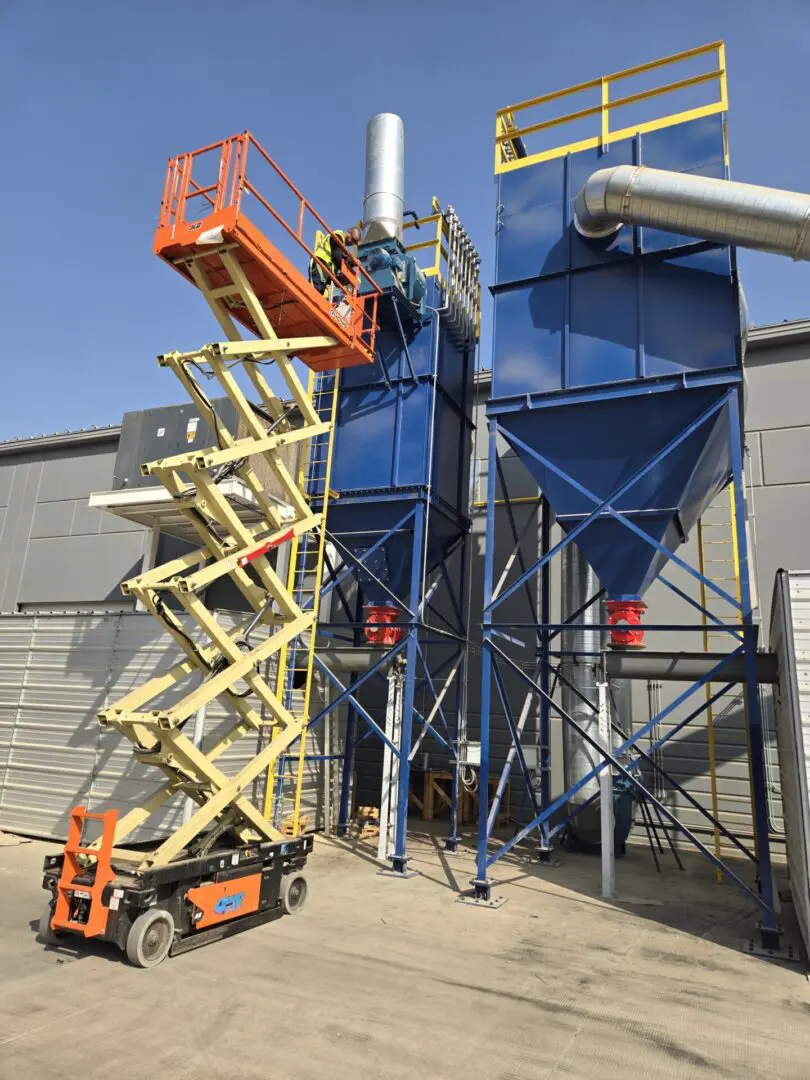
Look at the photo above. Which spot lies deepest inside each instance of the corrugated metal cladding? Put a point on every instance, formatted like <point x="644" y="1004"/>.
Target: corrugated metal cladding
<point x="790" y="639"/>
<point x="686" y="756"/>
<point x="57" y="671"/>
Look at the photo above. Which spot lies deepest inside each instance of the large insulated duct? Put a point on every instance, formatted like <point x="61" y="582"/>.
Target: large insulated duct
<point x="745" y="215"/>
<point x="580" y="666"/>
<point x="384" y="199"/>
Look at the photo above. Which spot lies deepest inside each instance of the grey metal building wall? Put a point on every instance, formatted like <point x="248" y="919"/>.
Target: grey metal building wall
<point x="777" y="423"/>
<point x="56" y="672"/>
<point x="56" y="554"/>
<point x="69" y="643"/>
<point x="55" y="550"/>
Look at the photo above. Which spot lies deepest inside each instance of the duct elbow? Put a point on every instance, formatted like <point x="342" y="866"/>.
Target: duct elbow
<point x="593" y="217"/>
<point x="708" y="208"/>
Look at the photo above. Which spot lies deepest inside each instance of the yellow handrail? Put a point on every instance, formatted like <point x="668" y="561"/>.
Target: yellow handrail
<point x="508" y="135"/>
<point x="436" y="244"/>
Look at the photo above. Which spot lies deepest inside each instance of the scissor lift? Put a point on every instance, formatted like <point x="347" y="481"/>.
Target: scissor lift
<point x="227" y="867"/>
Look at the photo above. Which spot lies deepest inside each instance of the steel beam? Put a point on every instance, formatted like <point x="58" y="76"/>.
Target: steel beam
<point x="687" y="666"/>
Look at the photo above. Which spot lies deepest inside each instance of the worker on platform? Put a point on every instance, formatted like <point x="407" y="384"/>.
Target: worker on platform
<point x="329" y="256"/>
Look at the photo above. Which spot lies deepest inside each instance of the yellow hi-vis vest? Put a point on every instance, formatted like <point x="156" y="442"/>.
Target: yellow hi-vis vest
<point x="323" y="249"/>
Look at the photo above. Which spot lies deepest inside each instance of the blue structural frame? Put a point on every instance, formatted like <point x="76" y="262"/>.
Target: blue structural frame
<point x="743" y="637"/>
<point x="419" y="634"/>
<point x="398" y="523"/>
<point x="617" y="382"/>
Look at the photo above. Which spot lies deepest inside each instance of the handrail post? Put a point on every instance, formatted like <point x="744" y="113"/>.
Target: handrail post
<point x="241" y="170"/>
<point x="224" y="171"/>
<point x="182" y="192"/>
<point x="301" y="210"/>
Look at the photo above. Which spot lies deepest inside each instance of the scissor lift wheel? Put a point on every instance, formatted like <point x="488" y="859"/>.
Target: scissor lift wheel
<point x="150" y="938"/>
<point x="294" y="890"/>
<point x="46" y="934"/>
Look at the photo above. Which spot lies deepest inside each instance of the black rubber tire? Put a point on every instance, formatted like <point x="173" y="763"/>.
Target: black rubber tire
<point x="45" y="933"/>
<point x="150" y="937"/>
<point x="294" y="889"/>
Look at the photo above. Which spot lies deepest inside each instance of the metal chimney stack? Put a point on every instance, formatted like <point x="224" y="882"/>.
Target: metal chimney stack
<point x="384" y="199"/>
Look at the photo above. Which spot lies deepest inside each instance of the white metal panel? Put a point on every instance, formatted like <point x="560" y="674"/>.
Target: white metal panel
<point x="140" y="650"/>
<point x="15" y="642"/>
<point x="57" y="671"/>
<point x="790" y="639"/>
<point x="51" y="755"/>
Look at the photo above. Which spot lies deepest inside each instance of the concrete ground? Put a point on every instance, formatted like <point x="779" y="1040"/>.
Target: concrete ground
<point x="390" y="978"/>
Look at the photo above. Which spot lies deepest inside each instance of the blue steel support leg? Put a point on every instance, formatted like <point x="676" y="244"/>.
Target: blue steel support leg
<point x="769" y="927"/>
<point x="344" y="810"/>
<point x="482" y="887"/>
<point x="399" y="859"/>
<point x="451" y="842"/>
<point x="544" y="848"/>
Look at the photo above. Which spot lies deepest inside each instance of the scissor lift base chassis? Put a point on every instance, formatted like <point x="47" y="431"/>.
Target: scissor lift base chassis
<point x="167" y="888"/>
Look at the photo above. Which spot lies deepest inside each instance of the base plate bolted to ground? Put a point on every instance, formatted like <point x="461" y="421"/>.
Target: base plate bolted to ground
<point x="477" y="901"/>
<point x="404" y="874"/>
<point x="787" y="953"/>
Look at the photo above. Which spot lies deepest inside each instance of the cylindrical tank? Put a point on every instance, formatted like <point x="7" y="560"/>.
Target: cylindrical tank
<point x="384" y="199"/>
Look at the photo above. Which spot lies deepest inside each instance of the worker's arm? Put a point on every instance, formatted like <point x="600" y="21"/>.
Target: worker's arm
<point x="340" y="257"/>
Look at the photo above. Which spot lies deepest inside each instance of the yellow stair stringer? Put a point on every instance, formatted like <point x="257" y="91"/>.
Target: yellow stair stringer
<point x="218" y="662"/>
<point x="304" y="582"/>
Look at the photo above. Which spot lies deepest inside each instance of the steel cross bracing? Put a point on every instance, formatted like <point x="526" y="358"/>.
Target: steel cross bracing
<point x="539" y="686"/>
<point x="218" y="662"/>
<point x="433" y="656"/>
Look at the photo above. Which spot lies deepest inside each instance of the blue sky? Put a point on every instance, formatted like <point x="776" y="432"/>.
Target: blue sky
<point x="97" y="95"/>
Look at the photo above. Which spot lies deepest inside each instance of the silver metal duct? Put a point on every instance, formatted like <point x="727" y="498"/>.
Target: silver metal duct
<point x="621" y="707"/>
<point x="765" y="219"/>
<point x="384" y="199"/>
<point x="579" y="584"/>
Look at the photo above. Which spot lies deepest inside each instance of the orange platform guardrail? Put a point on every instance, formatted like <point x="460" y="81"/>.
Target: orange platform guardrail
<point x="210" y="202"/>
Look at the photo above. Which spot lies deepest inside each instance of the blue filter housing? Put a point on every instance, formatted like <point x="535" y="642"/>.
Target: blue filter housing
<point x="404" y="435"/>
<point x="607" y="350"/>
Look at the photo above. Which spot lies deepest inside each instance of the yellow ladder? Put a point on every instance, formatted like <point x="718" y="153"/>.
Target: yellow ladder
<point x="720" y="563"/>
<point x="218" y="662"/>
<point x="304" y="581"/>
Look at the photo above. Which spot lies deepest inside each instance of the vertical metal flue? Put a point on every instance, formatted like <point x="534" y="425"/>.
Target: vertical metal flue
<point x="583" y="647"/>
<point x="384" y="199"/>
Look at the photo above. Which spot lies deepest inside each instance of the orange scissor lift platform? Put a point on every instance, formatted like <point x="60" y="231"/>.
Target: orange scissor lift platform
<point x="199" y="221"/>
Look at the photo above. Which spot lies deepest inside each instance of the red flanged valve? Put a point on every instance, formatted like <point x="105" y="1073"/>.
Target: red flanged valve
<point x="628" y="613"/>
<point x="379" y="628"/>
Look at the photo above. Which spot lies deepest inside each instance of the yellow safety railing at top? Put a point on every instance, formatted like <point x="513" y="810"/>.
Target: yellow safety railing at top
<point x="435" y="244"/>
<point x="452" y="259"/>
<point x="512" y="153"/>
